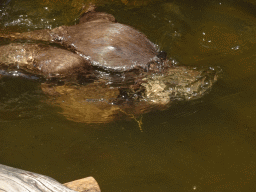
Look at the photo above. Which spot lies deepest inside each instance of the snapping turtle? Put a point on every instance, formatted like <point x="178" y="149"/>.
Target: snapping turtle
<point x="101" y="49"/>
<point x="97" y="40"/>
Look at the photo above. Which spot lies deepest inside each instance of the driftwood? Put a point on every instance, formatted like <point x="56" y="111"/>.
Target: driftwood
<point x="88" y="184"/>
<point x="17" y="180"/>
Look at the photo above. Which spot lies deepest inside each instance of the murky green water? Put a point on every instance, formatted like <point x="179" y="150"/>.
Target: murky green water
<point x="202" y="145"/>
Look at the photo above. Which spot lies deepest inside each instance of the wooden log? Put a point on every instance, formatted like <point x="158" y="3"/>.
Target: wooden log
<point x="88" y="184"/>
<point x="17" y="180"/>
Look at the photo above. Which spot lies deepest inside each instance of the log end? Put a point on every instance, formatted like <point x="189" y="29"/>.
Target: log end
<point x="88" y="184"/>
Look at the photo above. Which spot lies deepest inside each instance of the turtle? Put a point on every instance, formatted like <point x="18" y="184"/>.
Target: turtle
<point x="98" y="40"/>
<point x="102" y="49"/>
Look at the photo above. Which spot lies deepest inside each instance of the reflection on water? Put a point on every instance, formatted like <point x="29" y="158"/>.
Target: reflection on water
<point x="200" y="145"/>
<point x="24" y="15"/>
<point x="18" y="104"/>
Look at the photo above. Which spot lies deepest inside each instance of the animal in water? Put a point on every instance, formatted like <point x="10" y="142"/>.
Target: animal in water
<point x="97" y="40"/>
<point x="101" y="47"/>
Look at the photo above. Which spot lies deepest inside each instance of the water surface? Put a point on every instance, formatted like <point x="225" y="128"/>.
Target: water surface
<point x="201" y="145"/>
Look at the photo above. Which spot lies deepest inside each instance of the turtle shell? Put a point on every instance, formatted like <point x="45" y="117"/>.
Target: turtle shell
<point x="109" y="45"/>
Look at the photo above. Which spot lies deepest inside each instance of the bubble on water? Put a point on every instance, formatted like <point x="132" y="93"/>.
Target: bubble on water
<point x="236" y="47"/>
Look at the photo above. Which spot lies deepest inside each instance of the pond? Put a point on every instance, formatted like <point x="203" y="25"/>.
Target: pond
<point x="208" y="144"/>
